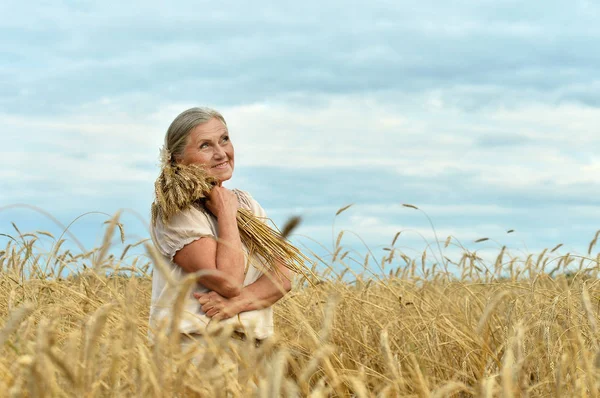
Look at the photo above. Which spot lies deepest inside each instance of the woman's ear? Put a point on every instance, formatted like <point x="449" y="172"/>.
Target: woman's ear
<point x="177" y="159"/>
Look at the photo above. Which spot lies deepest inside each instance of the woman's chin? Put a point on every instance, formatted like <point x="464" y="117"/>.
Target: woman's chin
<point x="223" y="174"/>
<point x="222" y="177"/>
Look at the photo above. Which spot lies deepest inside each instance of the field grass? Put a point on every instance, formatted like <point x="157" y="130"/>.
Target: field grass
<point x="519" y="326"/>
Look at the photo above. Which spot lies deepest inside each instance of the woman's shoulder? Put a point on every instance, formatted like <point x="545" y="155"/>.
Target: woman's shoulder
<point x="248" y="202"/>
<point x="244" y="197"/>
<point x="182" y="228"/>
<point x="193" y="223"/>
<point x="193" y="215"/>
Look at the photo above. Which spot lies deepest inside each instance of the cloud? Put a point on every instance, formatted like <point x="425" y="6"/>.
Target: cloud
<point x="150" y="54"/>
<point x="353" y="147"/>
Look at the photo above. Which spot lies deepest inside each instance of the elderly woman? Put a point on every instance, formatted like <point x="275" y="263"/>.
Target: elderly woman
<point x="238" y="291"/>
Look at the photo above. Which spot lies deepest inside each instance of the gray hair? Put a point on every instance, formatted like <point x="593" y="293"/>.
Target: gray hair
<point x="179" y="131"/>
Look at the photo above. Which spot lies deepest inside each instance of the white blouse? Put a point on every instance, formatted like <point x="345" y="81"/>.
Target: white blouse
<point x="187" y="226"/>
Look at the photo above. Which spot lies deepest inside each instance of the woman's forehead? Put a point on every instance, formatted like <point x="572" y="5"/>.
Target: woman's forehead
<point x="211" y="129"/>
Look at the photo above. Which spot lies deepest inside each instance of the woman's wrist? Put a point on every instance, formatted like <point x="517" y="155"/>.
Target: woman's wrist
<point x="241" y="303"/>
<point x="228" y="217"/>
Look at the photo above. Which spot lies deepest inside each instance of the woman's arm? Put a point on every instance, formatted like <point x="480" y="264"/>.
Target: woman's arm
<point x="266" y="291"/>
<point x="225" y="256"/>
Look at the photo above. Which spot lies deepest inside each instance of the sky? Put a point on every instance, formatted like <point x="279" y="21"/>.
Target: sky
<point x="483" y="114"/>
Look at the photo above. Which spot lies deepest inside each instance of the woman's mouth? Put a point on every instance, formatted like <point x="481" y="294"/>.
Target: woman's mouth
<point x="221" y="165"/>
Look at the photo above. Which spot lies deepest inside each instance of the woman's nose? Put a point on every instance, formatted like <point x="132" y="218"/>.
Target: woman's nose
<point x="219" y="152"/>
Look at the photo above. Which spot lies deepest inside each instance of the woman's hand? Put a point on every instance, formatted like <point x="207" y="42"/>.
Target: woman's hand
<point x="216" y="306"/>
<point x="222" y="202"/>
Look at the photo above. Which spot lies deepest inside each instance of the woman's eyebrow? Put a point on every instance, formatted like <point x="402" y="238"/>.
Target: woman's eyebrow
<point x="209" y="139"/>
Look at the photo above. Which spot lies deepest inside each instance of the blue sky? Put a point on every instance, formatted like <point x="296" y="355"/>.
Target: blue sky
<point x="484" y="114"/>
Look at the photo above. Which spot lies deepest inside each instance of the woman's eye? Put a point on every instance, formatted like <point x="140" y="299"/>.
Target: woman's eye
<point x="203" y="146"/>
<point x="226" y="138"/>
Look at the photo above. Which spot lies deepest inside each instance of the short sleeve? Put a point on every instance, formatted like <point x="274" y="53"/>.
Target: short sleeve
<point x="185" y="227"/>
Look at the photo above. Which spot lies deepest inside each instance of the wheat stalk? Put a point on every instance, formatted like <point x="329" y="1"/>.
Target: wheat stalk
<point x="532" y="334"/>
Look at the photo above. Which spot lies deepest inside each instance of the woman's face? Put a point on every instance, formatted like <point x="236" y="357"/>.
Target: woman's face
<point x="209" y="145"/>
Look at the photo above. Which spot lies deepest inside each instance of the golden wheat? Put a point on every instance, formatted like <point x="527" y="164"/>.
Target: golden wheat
<point x="507" y="328"/>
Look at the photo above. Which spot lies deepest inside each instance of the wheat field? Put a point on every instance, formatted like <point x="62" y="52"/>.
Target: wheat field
<point x="75" y="325"/>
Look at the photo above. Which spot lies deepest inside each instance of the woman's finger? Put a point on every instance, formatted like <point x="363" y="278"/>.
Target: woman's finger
<point x="212" y="312"/>
<point x="218" y="316"/>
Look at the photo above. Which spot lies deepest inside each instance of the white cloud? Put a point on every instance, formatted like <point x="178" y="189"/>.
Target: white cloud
<point x="557" y="146"/>
<point x="233" y="53"/>
<point x="538" y="147"/>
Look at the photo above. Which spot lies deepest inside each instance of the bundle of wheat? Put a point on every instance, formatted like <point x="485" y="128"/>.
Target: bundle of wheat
<point x="179" y="186"/>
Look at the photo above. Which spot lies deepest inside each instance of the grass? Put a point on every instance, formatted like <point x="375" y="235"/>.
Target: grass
<point x="519" y="326"/>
